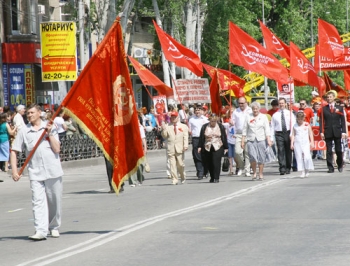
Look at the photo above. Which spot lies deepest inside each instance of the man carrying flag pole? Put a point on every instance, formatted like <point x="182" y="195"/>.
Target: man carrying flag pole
<point x="45" y="173"/>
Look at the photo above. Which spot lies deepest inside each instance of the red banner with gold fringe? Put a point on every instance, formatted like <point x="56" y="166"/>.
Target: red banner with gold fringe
<point x="102" y="101"/>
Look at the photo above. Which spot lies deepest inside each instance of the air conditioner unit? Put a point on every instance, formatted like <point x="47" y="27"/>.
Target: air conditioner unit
<point x="41" y="9"/>
<point x="140" y="53"/>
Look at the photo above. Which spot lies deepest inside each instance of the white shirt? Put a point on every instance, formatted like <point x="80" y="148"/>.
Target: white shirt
<point x="45" y="164"/>
<point x="142" y="131"/>
<point x="18" y="121"/>
<point x="59" y="123"/>
<point x="276" y="124"/>
<point x="195" y="124"/>
<point x="183" y="115"/>
<point x="239" y="117"/>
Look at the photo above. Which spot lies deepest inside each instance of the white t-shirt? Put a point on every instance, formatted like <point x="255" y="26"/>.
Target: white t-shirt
<point x="59" y="121"/>
<point x="238" y="118"/>
<point x="142" y="131"/>
<point x="18" y="121"/>
<point x="230" y="131"/>
<point x="183" y="116"/>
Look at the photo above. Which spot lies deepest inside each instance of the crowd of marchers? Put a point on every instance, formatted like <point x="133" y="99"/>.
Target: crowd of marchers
<point x="251" y="136"/>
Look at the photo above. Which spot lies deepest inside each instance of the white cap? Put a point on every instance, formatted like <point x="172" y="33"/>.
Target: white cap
<point x="314" y="93"/>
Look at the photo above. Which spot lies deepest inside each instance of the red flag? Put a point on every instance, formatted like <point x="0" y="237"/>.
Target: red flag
<point x="347" y="80"/>
<point x="102" y="101"/>
<point x="178" y="53"/>
<point x="330" y="43"/>
<point x="330" y="84"/>
<point x="148" y="78"/>
<point x="248" y="53"/>
<point x="273" y="43"/>
<point x="227" y="80"/>
<point x="216" y="104"/>
<point x="301" y="68"/>
<point x="324" y="63"/>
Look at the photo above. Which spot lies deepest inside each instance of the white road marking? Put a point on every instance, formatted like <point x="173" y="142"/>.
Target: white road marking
<point x="115" y="234"/>
<point x="17" y="210"/>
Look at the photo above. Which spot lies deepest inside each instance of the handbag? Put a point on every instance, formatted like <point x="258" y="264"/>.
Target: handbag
<point x="270" y="155"/>
<point x="225" y="164"/>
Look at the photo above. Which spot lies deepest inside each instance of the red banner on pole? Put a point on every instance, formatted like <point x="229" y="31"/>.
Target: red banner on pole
<point x="301" y="68"/>
<point x="273" y="43"/>
<point x="178" y="53"/>
<point x="329" y="40"/>
<point x="245" y="51"/>
<point x="227" y="80"/>
<point x="148" y="78"/>
<point x="102" y="101"/>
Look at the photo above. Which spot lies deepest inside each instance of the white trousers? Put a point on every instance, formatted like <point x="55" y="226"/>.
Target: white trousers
<point x="47" y="204"/>
<point x="242" y="155"/>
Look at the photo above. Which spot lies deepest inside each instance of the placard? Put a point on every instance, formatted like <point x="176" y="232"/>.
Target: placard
<point x="192" y="91"/>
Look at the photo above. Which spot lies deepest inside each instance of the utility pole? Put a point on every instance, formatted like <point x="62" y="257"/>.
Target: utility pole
<point x="199" y="29"/>
<point x="81" y="34"/>
<point x="266" y="90"/>
<point x="164" y="61"/>
<point x="347" y="15"/>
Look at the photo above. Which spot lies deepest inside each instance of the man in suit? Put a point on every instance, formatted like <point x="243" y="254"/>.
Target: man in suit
<point x="333" y="129"/>
<point x="177" y="136"/>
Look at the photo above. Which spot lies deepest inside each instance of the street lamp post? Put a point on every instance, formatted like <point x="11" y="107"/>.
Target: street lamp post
<point x="266" y="91"/>
<point x="312" y="30"/>
<point x="347" y="15"/>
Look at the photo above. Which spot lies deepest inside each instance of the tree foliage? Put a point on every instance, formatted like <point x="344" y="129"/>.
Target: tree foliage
<point x="290" y="20"/>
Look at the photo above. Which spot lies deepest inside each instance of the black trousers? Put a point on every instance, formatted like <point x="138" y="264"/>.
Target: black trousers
<point x="212" y="160"/>
<point x="338" y="152"/>
<point x="109" y="170"/>
<point x="197" y="157"/>
<point x="284" y="151"/>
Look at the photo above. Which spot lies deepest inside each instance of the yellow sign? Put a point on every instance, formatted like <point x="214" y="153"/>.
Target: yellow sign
<point x="58" y="51"/>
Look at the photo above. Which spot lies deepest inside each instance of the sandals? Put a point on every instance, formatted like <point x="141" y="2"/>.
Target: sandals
<point x="261" y="178"/>
<point x="254" y="178"/>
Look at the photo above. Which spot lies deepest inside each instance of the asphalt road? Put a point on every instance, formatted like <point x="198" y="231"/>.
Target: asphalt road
<point x="283" y="220"/>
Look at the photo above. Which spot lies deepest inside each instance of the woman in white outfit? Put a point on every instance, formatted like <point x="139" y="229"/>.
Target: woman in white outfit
<point x="256" y="131"/>
<point x="302" y="141"/>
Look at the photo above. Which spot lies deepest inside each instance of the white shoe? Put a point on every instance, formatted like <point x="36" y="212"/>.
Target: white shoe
<point x="302" y="174"/>
<point x="55" y="233"/>
<point x="183" y="181"/>
<point x="247" y="174"/>
<point x="239" y="172"/>
<point x="133" y="185"/>
<point x="37" y="237"/>
<point x="307" y="173"/>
